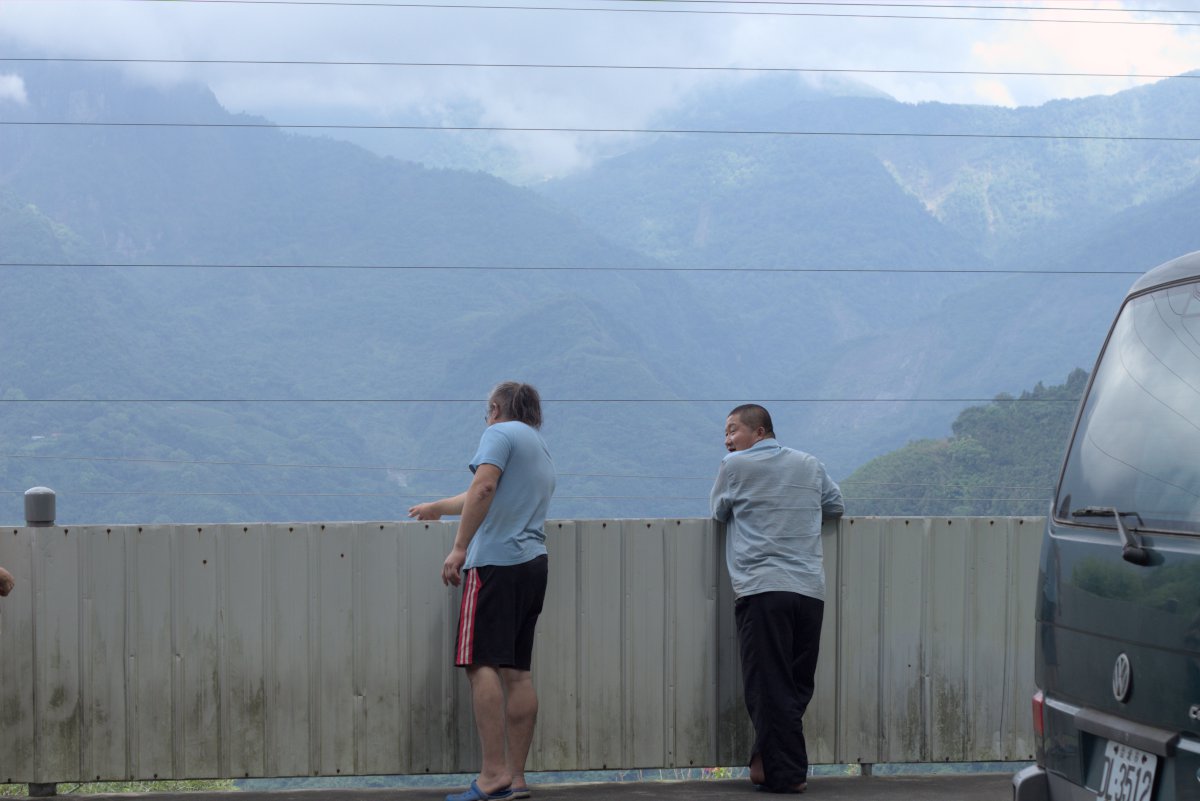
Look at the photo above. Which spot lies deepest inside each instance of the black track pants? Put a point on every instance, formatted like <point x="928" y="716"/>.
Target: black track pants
<point x="779" y="634"/>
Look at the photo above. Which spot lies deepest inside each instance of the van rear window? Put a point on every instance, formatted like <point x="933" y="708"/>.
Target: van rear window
<point x="1137" y="445"/>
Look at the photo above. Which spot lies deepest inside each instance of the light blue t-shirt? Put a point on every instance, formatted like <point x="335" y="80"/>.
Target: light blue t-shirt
<point x="774" y="499"/>
<point x="514" y="530"/>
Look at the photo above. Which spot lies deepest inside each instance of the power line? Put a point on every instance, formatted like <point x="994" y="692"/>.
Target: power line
<point x="399" y="469"/>
<point x="537" y="268"/>
<point x="581" y="130"/>
<point x="230" y="463"/>
<point x="954" y="500"/>
<point x="398" y="496"/>
<point x="640" y="67"/>
<point x="844" y="484"/>
<point x="996" y="5"/>
<point x="658" y="8"/>
<point x="388" y="468"/>
<point x="993" y="5"/>
<point x="572" y="401"/>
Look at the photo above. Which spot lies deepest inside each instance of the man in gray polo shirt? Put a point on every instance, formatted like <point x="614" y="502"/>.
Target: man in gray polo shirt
<point x="773" y="500"/>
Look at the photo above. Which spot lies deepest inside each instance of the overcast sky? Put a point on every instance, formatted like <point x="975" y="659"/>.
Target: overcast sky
<point x="1128" y="40"/>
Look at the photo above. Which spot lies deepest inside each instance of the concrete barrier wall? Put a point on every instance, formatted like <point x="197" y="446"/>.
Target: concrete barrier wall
<point x="177" y="652"/>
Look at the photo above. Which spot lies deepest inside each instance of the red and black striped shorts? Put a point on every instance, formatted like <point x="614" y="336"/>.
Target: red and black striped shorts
<point x="499" y="612"/>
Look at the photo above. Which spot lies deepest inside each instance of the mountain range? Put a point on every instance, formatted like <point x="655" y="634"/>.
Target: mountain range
<point x="304" y="329"/>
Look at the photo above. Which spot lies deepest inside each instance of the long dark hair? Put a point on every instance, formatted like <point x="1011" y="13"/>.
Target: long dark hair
<point x="517" y="401"/>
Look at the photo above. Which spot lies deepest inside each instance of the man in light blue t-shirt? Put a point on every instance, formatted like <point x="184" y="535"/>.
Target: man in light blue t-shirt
<point x="773" y="500"/>
<point x="501" y="549"/>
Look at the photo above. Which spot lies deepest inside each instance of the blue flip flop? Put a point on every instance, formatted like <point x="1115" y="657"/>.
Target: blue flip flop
<point x="521" y="792"/>
<point x="475" y="794"/>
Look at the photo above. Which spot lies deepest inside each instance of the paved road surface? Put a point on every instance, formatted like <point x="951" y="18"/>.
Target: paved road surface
<point x="972" y="787"/>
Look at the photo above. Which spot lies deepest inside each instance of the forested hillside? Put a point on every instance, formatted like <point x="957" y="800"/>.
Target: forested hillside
<point x="946" y="185"/>
<point x="1002" y="459"/>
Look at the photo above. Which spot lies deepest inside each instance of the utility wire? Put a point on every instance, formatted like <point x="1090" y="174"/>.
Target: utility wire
<point x="245" y="494"/>
<point x="585" y="401"/>
<point x="171" y="493"/>
<point x="537" y="269"/>
<point x="993" y="5"/>
<point x="658" y="8"/>
<point x="398" y="469"/>
<point x="920" y="484"/>
<point x="996" y="5"/>
<point x="946" y="500"/>
<point x="644" y="67"/>
<point x="581" y="130"/>
<point x="389" y="468"/>
<point x="985" y="5"/>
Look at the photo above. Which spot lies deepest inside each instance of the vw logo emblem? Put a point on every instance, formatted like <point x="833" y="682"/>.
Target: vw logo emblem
<point x="1122" y="675"/>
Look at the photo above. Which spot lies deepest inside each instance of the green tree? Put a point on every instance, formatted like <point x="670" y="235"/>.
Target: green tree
<point x="1002" y="459"/>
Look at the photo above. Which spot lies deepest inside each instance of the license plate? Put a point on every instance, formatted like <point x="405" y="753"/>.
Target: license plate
<point x="1128" y="774"/>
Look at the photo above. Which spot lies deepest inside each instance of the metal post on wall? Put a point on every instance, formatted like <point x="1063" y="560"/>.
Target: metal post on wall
<point x="39" y="507"/>
<point x="40" y="510"/>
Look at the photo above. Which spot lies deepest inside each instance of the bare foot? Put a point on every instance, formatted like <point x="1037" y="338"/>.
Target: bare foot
<point x="757" y="776"/>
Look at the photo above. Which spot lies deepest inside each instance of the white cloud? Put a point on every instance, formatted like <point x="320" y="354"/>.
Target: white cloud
<point x="12" y="89"/>
<point x="1120" y="50"/>
<point x="993" y="92"/>
<point x="899" y="48"/>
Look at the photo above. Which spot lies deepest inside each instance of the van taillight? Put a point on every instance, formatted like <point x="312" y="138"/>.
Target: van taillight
<point x="1039" y="722"/>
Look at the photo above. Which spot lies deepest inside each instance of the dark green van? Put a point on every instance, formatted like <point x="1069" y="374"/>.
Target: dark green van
<point x="1117" y="713"/>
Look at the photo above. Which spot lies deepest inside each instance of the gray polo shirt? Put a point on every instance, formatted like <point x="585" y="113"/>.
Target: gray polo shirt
<point x="774" y="499"/>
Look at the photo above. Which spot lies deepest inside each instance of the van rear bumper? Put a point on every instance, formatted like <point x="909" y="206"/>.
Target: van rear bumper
<point x="1031" y="785"/>
<point x="1035" y="784"/>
